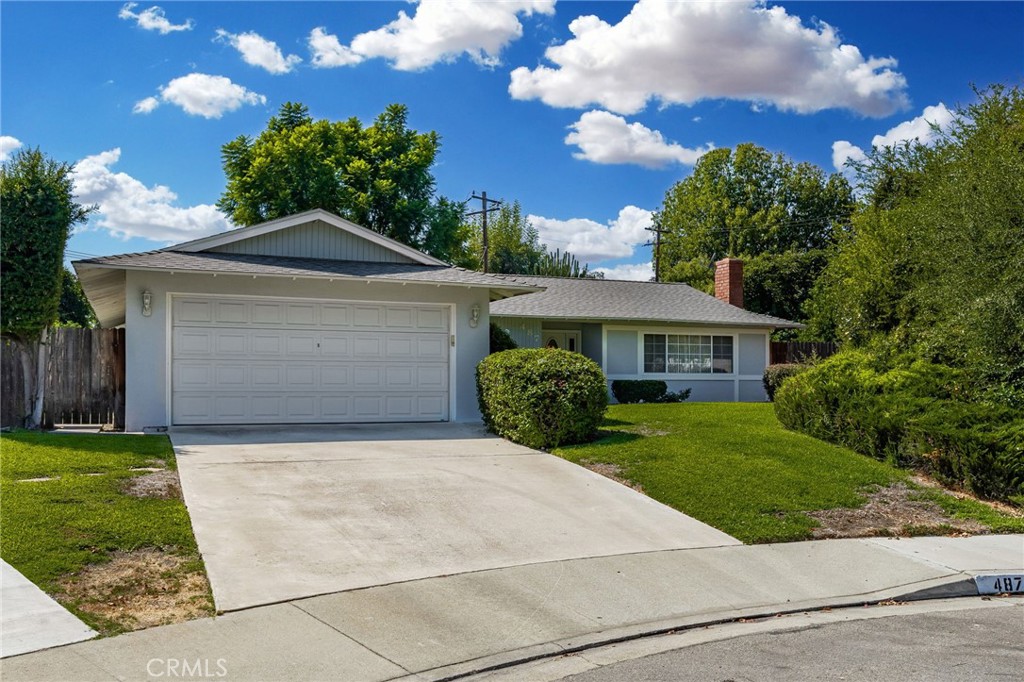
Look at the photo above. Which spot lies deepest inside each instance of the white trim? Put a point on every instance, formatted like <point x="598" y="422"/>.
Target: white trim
<point x="604" y="349"/>
<point x="453" y="358"/>
<point x="239" y="234"/>
<point x="168" y="357"/>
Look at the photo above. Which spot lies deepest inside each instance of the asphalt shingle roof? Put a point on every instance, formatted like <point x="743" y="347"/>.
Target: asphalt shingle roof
<point x="244" y="264"/>
<point x="598" y="299"/>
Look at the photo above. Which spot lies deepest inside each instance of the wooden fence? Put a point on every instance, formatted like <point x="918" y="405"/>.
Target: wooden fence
<point x="85" y="375"/>
<point x="797" y="351"/>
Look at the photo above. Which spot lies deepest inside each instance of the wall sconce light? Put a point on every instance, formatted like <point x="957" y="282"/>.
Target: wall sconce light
<point x="474" y="315"/>
<point x="147" y="303"/>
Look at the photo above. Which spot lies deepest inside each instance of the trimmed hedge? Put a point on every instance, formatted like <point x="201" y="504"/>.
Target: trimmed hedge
<point x="628" y="391"/>
<point x="774" y="375"/>
<point x="501" y="339"/>
<point x="541" y="397"/>
<point x="912" y="414"/>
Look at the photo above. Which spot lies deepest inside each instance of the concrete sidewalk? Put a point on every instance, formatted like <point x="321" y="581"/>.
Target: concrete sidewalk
<point x="30" y="619"/>
<point x="438" y="628"/>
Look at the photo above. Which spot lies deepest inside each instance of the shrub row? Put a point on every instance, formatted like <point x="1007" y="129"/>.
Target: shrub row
<point x="914" y="414"/>
<point x="629" y="391"/>
<point x="774" y="375"/>
<point x="541" y="397"/>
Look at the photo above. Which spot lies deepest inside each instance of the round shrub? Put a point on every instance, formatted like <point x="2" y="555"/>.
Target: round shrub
<point x="628" y="391"/>
<point x="774" y="375"/>
<point x="541" y="397"/>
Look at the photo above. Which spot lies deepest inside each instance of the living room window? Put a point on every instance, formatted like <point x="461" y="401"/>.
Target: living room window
<point x="688" y="354"/>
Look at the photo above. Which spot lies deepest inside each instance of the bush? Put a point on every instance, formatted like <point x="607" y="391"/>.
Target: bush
<point x="501" y="339"/>
<point x="915" y="414"/>
<point x="774" y="375"/>
<point x="541" y="397"/>
<point x="628" y="391"/>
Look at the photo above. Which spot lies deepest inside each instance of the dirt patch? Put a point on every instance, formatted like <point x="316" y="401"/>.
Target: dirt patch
<point x="645" y="431"/>
<point x="612" y="471"/>
<point x="162" y="484"/>
<point x="890" y="511"/>
<point x="140" y="589"/>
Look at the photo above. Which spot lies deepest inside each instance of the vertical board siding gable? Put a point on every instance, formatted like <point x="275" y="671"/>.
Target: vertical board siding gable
<point x="314" y="240"/>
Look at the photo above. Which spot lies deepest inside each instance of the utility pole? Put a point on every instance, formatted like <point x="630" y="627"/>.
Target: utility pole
<point x="657" y="250"/>
<point x="483" y="212"/>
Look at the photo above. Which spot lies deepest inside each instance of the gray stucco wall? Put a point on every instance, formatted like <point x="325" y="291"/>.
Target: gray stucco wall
<point x="147" y="365"/>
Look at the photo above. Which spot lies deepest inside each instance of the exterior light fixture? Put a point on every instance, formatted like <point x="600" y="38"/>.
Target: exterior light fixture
<point x="474" y="315"/>
<point x="147" y="303"/>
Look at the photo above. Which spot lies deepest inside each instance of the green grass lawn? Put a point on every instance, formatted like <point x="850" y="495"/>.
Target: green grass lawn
<point x="733" y="466"/>
<point x="53" y="529"/>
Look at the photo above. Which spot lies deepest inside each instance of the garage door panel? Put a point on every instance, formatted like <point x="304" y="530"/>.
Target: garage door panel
<point x="238" y="361"/>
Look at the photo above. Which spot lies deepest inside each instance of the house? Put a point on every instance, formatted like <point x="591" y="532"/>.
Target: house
<point x="311" y="318"/>
<point x="305" y="319"/>
<point x="649" y="330"/>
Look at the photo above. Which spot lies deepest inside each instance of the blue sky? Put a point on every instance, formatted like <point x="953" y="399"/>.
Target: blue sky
<point x="584" y="112"/>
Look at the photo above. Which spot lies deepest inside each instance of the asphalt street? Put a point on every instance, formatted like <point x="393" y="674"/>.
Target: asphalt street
<point x="954" y="646"/>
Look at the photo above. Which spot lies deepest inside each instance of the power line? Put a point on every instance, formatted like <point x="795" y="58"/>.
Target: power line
<point x="484" y="201"/>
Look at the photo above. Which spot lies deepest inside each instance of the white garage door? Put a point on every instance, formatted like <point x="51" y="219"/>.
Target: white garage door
<point x="262" y="361"/>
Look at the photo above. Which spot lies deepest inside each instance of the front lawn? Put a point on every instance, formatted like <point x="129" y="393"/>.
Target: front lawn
<point x="733" y="466"/>
<point x="97" y="521"/>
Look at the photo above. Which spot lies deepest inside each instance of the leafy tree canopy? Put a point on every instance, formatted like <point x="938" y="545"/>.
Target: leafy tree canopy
<point x="74" y="309"/>
<point x="748" y="203"/>
<point x="38" y="212"/>
<point x="378" y="176"/>
<point x="935" y="262"/>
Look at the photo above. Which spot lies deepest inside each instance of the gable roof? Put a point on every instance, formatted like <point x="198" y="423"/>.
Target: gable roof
<point x="619" y="300"/>
<point x="307" y="217"/>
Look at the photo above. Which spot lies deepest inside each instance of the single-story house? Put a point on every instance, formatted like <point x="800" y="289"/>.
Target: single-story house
<point x="311" y="318"/>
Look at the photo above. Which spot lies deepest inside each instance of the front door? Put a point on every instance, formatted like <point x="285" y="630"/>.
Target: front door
<point x="566" y="340"/>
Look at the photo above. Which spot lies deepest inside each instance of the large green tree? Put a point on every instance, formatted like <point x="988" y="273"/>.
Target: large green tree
<point x="74" y="309"/>
<point x="37" y="212"/>
<point x="935" y="262"/>
<point x="748" y="203"/>
<point x="378" y="176"/>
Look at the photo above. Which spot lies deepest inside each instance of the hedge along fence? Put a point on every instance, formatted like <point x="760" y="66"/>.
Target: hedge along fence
<point x="541" y="397"/>
<point x="911" y="414"/>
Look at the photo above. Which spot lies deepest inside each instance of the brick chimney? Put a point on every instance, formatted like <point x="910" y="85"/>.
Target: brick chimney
<point x="729" y="281"/>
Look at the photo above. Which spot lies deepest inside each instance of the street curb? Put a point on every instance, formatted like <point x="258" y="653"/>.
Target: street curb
<point x="959" y="585"/>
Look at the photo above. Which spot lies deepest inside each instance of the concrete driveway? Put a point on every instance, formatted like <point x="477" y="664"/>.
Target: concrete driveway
<point x="283" y="513"/>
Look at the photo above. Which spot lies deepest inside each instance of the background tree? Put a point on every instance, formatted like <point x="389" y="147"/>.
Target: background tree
<point x="747" y="203"/>
<point x="377" y="176"/>
<point x="74" y="309"/>
<point x="38" y="212"/>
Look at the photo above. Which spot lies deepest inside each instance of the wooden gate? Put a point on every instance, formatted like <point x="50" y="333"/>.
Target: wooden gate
<point x="85" y="378"/>
<point x="798" y="351"/>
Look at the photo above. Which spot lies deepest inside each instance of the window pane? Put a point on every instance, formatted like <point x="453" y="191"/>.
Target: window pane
<point x="654" y="353"/>
<point x="723" y="360"/>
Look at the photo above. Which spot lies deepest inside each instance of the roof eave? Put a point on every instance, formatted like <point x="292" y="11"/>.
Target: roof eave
<point x="656" y="320"/>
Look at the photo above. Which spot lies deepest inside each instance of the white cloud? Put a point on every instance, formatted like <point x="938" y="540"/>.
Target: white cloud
<point x="591" y="241"/>
<point x="328" y="52"/>
<point x="8" y="144"/>
<point x="638" y="272"/>
<point x="919" y="128"/>
<point x="128" y="208"/>
<point x="145" y="106"/>
<point x="606" y="138"/>
<point x="684" y="52"/>
<point x="438" y="31"/>
<point x="203" y="95"/>
<point x="153" y="19"/>
<point x="258" y="51"/>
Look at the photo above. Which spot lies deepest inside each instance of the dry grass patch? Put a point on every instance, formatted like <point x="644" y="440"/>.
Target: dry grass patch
<point x="612" y="471"/>
<point x="140" y="589"/>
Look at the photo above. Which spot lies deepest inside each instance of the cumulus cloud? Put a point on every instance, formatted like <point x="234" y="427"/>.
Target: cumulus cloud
<point x="438" y="31"/>
<point x="201" y="94"/>
<point x="145" y="106"/>
<point x="128" y="208"/>
<point x="8" y="144"/>
<point x="606" y="138"/>
<point x="684" y="52"/>
<point x="638" y="272"/>
<point x="153" y="19"/>
<point x="259" y="51"/>
<point x="920" y="128"/>
<point x="327" y="50"/>
<point x="591" y="241"/>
